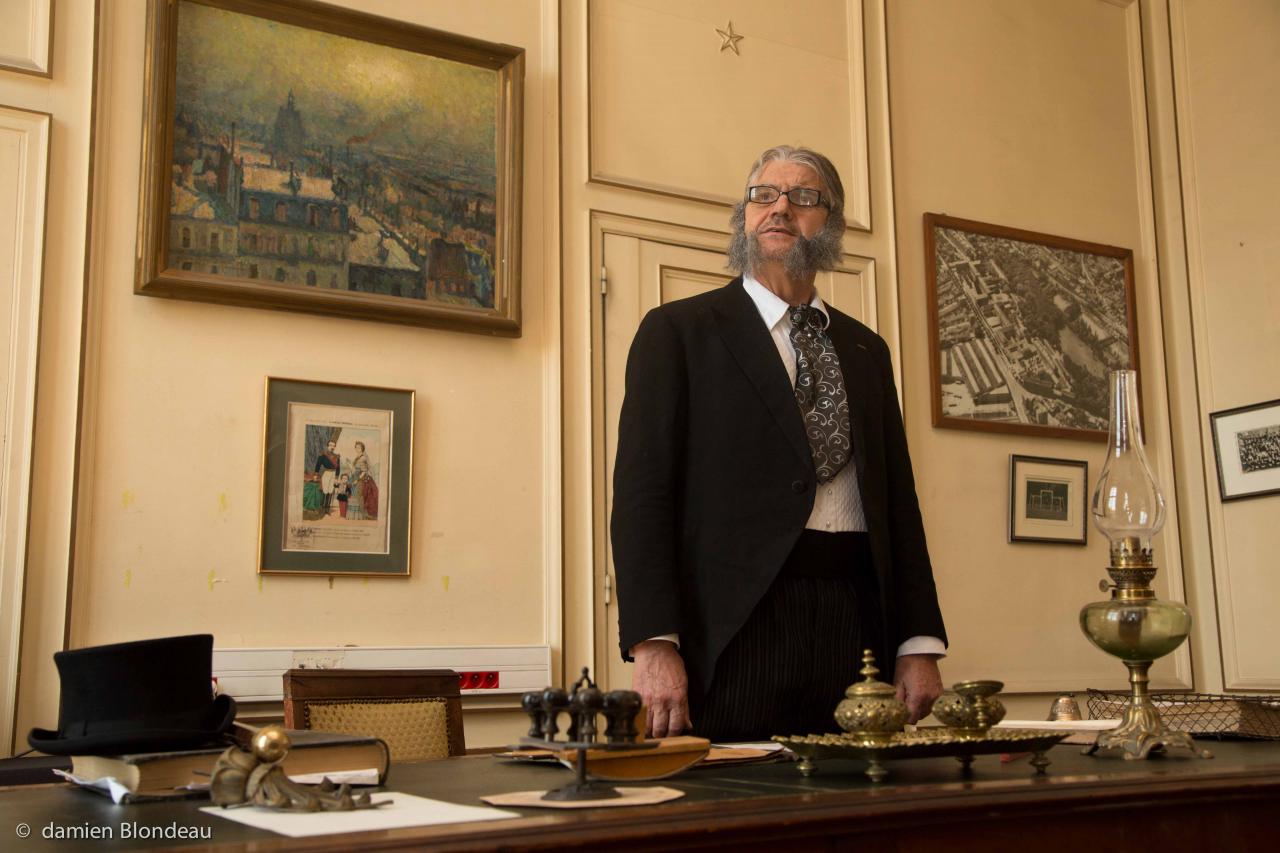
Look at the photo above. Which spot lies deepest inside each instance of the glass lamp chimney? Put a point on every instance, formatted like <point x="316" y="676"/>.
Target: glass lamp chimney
<point x="1127" y="506"/>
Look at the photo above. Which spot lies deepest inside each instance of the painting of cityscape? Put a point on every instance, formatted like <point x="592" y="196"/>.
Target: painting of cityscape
<point x="1025" y="327"/>
<point x="323" y="153"/>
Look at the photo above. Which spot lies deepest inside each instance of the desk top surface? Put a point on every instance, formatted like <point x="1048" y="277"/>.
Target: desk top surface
<point x="767" y="795"/>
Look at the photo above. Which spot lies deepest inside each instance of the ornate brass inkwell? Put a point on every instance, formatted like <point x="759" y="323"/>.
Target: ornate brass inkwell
<point x="873" y="718"/>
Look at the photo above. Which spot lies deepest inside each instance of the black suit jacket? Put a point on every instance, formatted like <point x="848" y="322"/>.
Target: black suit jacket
<point x="714" y="478"/>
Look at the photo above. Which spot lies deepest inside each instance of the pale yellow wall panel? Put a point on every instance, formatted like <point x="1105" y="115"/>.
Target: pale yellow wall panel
<point x="171" y="474"/>
<point x="1019" y="114"/>
<point x="25" y="37"/>
<point x="68" y="96"/>
<point x="671" y="111"/>
<point x="1227" y="67"/>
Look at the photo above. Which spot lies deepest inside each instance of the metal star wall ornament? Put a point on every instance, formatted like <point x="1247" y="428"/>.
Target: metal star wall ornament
<point x="729" y="39"/>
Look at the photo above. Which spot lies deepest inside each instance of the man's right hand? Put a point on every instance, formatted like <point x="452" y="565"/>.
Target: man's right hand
<point x="660" y="679"/>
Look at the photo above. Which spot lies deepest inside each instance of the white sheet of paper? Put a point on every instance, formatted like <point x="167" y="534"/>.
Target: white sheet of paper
<point x="404" y="810"/>
<point x="1060" y="725"/>
<point x="116" y="789"/>
<point x="368" y="776"/>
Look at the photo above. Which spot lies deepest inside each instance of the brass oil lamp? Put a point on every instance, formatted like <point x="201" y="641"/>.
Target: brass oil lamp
<point x="1133" y="624"/>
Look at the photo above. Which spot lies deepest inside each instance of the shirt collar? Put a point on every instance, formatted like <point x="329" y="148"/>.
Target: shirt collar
<point x="771" y="307"/>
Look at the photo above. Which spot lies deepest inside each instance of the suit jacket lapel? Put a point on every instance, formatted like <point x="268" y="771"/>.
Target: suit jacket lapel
<point x="856" y="365"/>
<point x="752" y="347"/>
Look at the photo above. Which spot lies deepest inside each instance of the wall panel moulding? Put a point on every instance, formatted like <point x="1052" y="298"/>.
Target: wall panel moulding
<point x="640" y="137"/>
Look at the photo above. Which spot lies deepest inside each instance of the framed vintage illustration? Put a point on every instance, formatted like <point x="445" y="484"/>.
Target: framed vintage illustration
<point x="301" y="156"/>
<point x="1048" y="500"/>
<point x="1024" y="328"/>
<point x="1246" y="442"/>
<point x="337" y="488"/>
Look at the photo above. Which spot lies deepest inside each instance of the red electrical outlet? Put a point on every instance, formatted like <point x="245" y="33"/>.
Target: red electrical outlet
<point x="477" y="680"/>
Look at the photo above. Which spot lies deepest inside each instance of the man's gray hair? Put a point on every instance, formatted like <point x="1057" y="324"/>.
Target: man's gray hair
<point x="823" y="251"/>
<point x="832" y="188"/>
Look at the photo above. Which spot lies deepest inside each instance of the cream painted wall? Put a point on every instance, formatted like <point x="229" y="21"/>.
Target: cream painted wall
<point x="68" y="95"/>
<point x="1032" y="116"/>
<point x="1003" y="111"/>
<point x="1227" y="79"/>
<point x="668" y="182"/>
<point x="169" y="476"/>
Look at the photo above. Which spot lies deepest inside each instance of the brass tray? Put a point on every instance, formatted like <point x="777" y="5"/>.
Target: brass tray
<point x="922" y="743"/>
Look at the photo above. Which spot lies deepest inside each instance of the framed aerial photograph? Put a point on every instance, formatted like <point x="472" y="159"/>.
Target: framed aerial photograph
<point x="300" y="156"/>
<point x="1246" y="442"/>
<point x="1024" y="328"/>
<point x="336" y="479"/>
<point x="1048" y="500"/>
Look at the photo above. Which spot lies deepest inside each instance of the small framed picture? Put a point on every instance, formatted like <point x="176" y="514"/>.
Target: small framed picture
<point x="1246" y="442"/>
<point x="336" y="479"/>
<point x="1047" y="500"/>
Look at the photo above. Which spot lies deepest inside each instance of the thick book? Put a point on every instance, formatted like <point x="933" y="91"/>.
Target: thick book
<point x="152" y="774"/>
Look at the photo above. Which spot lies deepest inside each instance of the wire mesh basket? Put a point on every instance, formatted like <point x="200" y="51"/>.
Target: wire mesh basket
<point x="1256" y="717"/>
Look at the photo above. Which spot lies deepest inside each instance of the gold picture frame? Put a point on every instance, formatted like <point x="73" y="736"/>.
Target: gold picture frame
<point x="337" y="479"/>
<point x="381" y="181"/>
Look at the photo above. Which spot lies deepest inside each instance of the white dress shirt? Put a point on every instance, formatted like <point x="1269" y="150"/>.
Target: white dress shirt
<point x="837" y="506"/>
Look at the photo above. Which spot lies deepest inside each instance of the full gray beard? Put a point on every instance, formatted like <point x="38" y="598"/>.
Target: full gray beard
<point x="805" y="257"/>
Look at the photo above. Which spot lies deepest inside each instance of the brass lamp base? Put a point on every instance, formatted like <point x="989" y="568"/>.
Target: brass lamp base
<point x="1138" y="628"/>
<point x="1141" y="731"/>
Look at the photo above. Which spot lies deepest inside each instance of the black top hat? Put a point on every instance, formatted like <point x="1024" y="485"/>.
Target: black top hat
<point x="145" y="696"/>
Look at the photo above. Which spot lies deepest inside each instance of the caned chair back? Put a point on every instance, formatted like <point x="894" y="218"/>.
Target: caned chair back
<point x="417" y="712"/>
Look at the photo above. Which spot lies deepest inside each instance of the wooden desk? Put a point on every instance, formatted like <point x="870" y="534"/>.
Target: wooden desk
<point x="1173" y="803"/>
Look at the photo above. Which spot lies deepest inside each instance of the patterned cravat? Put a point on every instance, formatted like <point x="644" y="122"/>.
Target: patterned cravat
<point x="820" y="391"/>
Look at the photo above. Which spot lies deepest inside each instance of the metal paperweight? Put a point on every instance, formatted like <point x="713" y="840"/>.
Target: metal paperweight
<point x="583" y="704"/>
<point x="256" y="778"/>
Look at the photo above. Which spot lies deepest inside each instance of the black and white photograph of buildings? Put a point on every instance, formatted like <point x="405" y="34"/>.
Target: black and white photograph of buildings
<point x="1027" y="332"/>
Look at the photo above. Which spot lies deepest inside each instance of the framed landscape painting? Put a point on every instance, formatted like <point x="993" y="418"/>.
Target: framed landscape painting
<point x="300" y="156"/>
<point x="336" y="479"/>
<point x="1024" y="328"/>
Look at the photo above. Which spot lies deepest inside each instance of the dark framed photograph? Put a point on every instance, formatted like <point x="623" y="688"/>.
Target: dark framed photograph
<point x="1024" y="328"/>
<point x="301" y="156"/>
<point x="337" y="486"/>
<point x="1246" y="442"/>
<point x="1048" y="500"/>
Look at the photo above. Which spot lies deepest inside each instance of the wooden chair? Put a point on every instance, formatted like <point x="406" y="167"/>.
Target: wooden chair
<point x="418" y="712"/>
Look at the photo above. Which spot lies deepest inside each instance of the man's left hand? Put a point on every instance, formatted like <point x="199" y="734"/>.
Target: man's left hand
<point x="918" y="683"/>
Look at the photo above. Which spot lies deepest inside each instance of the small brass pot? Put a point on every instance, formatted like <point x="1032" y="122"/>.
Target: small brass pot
<point x="970" y="708"/>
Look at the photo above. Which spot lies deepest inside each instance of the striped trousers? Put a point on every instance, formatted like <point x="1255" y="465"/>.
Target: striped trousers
<point x="787" y="668"/>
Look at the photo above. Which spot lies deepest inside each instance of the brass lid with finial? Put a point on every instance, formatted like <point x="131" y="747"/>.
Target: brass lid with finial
<point x="871" y="711"/>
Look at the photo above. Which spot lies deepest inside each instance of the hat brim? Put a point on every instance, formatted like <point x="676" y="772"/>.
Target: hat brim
<point x="222" y="713"/>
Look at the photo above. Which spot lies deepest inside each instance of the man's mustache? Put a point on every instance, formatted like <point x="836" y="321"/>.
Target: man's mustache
<point x="775" y="222"/>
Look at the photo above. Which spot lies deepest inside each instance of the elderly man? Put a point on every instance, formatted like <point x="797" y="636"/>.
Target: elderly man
<point x="765" y="522"/>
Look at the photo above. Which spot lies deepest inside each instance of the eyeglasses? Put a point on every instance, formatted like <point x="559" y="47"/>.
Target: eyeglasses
<point x="799" y="196"/>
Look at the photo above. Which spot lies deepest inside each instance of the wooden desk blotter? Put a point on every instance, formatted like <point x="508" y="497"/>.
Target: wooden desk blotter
<point x="670" y="756"/>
